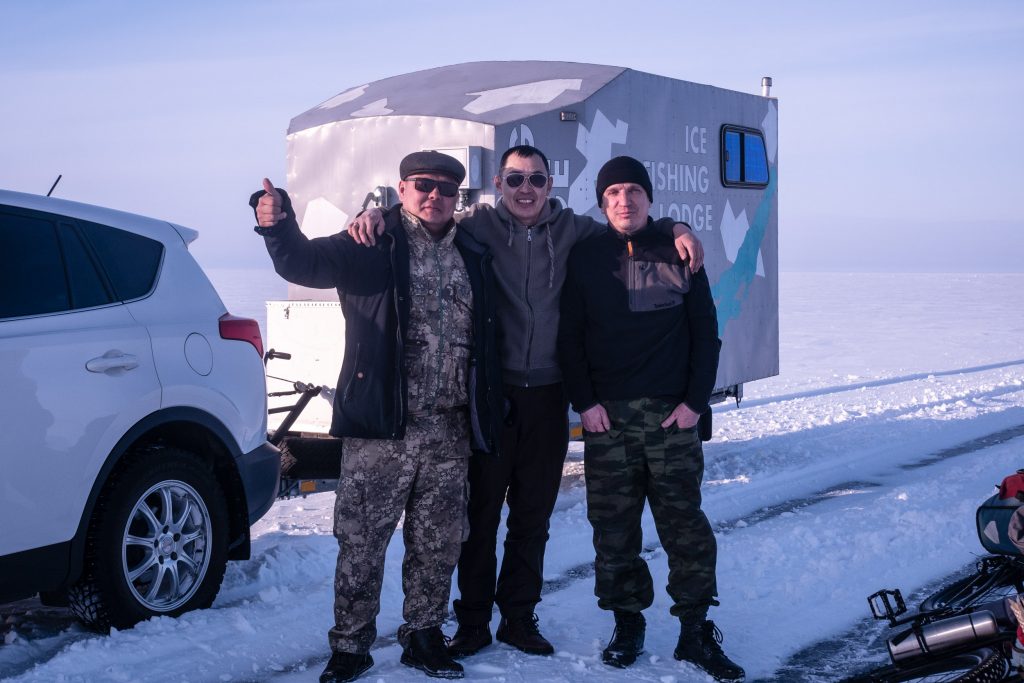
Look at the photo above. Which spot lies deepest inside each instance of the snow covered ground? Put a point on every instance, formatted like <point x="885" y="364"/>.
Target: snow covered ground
<point x="899" y="405"/>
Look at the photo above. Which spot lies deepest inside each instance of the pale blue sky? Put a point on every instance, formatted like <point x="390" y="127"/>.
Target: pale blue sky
<point x="899" y="140"/>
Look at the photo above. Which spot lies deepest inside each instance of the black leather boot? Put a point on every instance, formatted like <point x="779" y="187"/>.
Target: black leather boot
<point x="699" y="644"/>
<point x="523" y="634"/>
<point x="627" y="641"/>
<point x="469" y="640"/>
<point x="345" y="666"/>
<point x="428" y="652"/>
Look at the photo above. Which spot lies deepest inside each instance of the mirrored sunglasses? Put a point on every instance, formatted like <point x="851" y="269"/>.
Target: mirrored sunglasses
<point x="538" y="180"/>
<point x="444" y="187"/>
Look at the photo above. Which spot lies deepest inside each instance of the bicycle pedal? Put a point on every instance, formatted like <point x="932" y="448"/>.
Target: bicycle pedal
<point x="887" y="604"/>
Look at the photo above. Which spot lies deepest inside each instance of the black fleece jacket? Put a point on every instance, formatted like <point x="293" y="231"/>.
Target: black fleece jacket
<point x="636" y="323"/>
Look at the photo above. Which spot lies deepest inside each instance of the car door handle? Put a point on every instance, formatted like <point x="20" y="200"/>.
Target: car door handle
<point x="112" y="360"/>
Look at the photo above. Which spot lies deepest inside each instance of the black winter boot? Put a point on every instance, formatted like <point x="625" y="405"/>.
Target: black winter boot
<point x="345" y="666"/>
<point x="469" y="640"/>
<point x="627" y="641"/>
<point x="699" y="644"/>
<point x="428" y="651"/>
<point x="523" y="634"/>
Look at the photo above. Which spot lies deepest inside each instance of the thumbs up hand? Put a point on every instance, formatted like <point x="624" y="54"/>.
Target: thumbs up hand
<point x="268" y="209"/>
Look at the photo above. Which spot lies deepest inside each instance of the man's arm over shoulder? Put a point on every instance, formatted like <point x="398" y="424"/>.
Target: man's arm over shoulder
<point x="476" y="218"/>
<point x="702" y="320"/>
<point x="586" y="227"/>
<point x="687" y="245"/>
<point x="321" y="263"/>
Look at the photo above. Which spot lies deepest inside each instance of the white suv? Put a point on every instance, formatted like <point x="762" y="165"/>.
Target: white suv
<point x="133" y="451"/>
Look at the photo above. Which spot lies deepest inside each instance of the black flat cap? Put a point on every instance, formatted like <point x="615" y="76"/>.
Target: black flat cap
<point x="432" y="162"/>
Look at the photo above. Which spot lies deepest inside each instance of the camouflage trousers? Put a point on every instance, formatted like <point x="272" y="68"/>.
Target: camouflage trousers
<point x="424" y="476"/>
<point x="634" y="461"/>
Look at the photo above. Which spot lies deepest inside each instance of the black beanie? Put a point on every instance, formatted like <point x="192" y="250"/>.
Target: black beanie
<point x="623" y="170"/>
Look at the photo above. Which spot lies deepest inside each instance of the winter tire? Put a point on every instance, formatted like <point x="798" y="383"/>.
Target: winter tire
<point x="157" y="544"/>
<point x="980" y="666"/>
<point x="1003" y="579"/>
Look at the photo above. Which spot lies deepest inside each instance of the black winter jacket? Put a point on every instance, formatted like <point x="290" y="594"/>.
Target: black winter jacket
<point x="373" y="287"/>
<point x="636" y="323"/>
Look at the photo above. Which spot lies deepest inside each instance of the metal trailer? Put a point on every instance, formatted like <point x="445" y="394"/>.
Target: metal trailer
<point x="711" y="154"/>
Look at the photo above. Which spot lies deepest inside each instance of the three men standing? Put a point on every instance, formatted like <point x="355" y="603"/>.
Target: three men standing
<point x="419" y="381"/>
<point x="420" y="308"/>
<point x="530" y="236"/>
<point x="638" y="342"/>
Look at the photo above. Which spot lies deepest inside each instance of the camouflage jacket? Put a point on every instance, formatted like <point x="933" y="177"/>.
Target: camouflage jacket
<point x="439" y="340"/>
<point x="373" y="287"/>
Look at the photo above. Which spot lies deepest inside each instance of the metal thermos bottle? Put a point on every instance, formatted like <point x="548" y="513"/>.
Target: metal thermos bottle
<point x="943" y="635"/>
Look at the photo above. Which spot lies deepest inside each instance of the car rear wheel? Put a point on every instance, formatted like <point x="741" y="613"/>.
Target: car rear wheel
<point x="157" y="544"/>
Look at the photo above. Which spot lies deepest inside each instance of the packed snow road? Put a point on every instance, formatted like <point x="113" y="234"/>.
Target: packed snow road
<point x="859" y="468"/>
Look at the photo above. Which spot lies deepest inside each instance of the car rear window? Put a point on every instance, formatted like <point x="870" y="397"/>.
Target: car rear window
<point x="32" y="279"/>
<point x="87" y="288"/>
<point x="130" y="261"/>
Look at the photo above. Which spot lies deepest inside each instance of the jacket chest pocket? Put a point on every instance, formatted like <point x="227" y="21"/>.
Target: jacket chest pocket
<point x="654" y="285"/>
<point x="423" y="292"/>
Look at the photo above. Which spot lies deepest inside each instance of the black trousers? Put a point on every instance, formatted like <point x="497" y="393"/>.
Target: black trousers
<point x="527" y="473"/>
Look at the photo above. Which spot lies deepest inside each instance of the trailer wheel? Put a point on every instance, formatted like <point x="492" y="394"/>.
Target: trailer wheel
<point x="157" y="544"/>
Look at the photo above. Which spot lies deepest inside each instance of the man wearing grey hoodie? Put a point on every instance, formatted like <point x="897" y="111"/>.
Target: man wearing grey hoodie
<point x="530" y="236"/>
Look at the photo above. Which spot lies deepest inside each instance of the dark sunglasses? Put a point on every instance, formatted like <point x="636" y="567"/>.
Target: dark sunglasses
<point x="426" y="186"/>
<point x="538" y="180"/>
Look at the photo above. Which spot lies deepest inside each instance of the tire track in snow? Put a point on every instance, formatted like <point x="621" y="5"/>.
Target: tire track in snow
<point x="781" y="417"/>
<point x="986" y="441"/>
<point x="871" y="384"/>
<point x="857" y="440"/>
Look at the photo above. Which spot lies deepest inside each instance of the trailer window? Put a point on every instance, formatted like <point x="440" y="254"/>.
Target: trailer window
<point x="744" y="161"/>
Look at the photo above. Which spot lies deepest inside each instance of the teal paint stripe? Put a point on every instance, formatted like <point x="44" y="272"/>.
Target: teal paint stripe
<point x="731" y="288"/>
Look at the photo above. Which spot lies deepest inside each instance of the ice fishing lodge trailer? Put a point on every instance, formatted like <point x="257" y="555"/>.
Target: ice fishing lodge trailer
<point x="711" y="154"/>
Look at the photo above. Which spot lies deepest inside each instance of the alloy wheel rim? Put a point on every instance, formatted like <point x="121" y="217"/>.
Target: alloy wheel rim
<point x="165" y="550"/>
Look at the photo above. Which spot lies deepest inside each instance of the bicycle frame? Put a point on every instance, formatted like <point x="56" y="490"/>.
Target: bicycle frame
<point x="951" y="629"/>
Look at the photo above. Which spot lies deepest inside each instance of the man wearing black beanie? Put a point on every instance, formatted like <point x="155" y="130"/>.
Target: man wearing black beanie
<point x="638" y="344"/>
<point x="623" y="170"/>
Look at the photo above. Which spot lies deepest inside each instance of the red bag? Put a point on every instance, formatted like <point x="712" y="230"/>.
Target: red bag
<point x="1013" y="486"/>
<point x="1000" y="519"/>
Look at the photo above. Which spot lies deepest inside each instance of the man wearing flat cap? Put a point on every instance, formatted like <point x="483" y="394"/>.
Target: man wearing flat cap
<point x="638" y="342"/>
<point x="420" y="386"/>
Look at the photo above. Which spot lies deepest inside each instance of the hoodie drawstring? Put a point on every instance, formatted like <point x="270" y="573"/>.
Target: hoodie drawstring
<point x="551" y="258"/>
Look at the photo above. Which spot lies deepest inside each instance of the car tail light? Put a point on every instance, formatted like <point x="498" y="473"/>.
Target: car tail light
<point x="242" y="329"/>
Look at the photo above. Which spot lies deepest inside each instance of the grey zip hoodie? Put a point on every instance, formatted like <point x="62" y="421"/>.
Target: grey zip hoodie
<point x="530" y="264"/>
